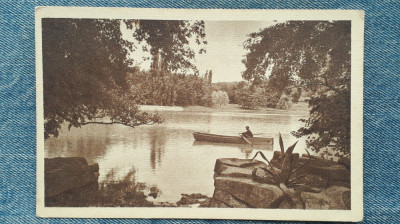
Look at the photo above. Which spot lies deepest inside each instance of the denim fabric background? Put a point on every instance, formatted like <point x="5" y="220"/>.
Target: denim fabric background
<point x="381" y="102"/>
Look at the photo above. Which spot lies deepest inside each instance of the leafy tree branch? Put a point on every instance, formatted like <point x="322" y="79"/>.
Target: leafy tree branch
<point x="315" y="56"/>
<point x="87" y="71"/>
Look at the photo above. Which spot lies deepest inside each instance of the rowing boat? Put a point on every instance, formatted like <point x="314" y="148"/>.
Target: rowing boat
<point x="232" y="139"/>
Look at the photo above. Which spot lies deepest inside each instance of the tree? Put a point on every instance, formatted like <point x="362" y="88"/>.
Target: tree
<point x="315" y="54"/>
<point x="210" y="74"/>
<point x="169" y="41"/>
<point x="220" y="98"/>
<point x="86" y="68"/>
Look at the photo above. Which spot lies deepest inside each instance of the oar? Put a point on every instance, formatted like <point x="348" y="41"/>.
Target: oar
<point x="246" y="140"/>
<point x="259" y="134"/>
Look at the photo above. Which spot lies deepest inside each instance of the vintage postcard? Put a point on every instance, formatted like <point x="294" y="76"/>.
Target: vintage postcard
<point x="199" y="113"/>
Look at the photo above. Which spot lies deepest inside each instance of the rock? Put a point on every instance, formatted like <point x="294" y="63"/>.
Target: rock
<point x="317" y="161"/>
<point x="69" y="165"/>
<point x="292" y="203"/>
<point x="336" y="198"/>
<point x="237" y="162"/>
<point x="314" y="157"/>
<point x="292" y="198"/>
<point x="342" y="183"/>
<point x="226" y="198"/>
<point x="186" y="201"/>
<point x="154" y="192"/>
<point x="336" y="172"/>
<point x="198" y="196"/>
<point x="249" y="192"/>
<point x="66" y="174"/>
<point x="320" y="173"/>
<point x="218" y="204"/>
<point x="235" y="187"/>
<point x="315" y="181"/>
<point x="164" y="204"/>
<point x="94" y="168"/>
<point x="232" y="171"/>
<point x="237" y="167"/>
<point x="245" y="183"/>
<point x="331" y="172"/>
<point x="198" y="200"/>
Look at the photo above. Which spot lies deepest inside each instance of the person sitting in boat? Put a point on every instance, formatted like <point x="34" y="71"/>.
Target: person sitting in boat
<point x="247" y="133"/>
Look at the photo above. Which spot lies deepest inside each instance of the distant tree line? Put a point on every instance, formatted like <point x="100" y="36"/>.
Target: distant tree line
<point x="164" y="88"/>
<point x="261" y="95"/>
<point x="160" y="87"/>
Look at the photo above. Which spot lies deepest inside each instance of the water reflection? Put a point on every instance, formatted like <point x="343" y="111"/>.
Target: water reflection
<point x="90" y="143"/>
<point x="157" y="144"/>
<point x="245" y="149"/>
<point x="165" y="156"/>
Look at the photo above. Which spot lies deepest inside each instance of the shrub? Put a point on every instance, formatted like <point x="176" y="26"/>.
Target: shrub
<point x="219" y="98"/>
<point x="284" y="103"/>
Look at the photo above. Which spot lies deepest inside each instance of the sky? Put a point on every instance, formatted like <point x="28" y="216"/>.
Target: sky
<point x="224" y="49"/>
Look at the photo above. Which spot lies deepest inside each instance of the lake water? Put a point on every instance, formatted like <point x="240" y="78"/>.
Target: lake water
<point x="165" y="155"/>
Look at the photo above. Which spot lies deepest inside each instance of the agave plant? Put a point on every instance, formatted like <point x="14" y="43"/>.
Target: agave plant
<point x="287" y="169"/>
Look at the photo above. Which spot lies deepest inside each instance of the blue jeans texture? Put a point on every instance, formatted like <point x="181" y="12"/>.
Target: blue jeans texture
<point x="18" y="102"/>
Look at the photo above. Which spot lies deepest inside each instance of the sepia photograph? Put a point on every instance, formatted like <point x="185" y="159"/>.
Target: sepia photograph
<point x="210" y="114"/>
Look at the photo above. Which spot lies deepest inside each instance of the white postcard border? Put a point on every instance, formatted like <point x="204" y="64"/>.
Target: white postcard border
<point x="357" y="50"/>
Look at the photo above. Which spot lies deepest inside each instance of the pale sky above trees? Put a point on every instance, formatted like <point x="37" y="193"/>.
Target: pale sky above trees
<point x="224" y="49"/>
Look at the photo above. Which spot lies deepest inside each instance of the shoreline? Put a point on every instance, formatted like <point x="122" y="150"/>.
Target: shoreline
<point x="300" y="106"/>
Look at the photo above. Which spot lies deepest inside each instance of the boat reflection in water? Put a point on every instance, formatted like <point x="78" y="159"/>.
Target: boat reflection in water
<point x="244" y="148"/>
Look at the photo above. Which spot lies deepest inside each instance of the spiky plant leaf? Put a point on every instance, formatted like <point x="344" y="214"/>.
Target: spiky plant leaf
<point x="296" y="178"/>
<point x="286" y="168"/>
<point x="276" y="178"/>
<point x="291" y="148"/>
<point x="265" y="158"/>
<point x="281" y="143"/>
<point x="305" y="164"/>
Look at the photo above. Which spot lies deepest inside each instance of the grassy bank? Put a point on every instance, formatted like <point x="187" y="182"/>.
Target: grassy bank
<point x="234" y="108"/>
<point x="298" y="107"/>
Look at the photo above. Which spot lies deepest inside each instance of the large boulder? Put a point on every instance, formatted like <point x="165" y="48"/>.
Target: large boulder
<point x="243" y="163"/>
<point x="336" y="174"/>
<point x="225" y="199"/>
<point x="219" y="204"/>
<point x="329" y="173"/>
<point x="235" y="185"/>
<point x="244" y="192"/>
<point x="66" y="174"/>
<point x="336" y="198"/>
<point x="243" y="183"/>
<point x="231" y="167"/>
<point x="315" y="181"/>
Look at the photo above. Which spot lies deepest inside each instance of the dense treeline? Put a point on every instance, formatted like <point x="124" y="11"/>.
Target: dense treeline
<point x="262" y="95"/>
<point x="159" y="87"/>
